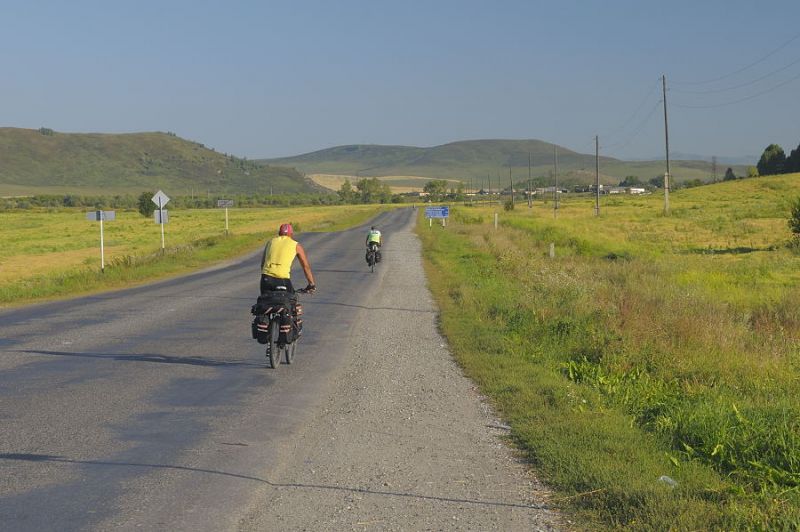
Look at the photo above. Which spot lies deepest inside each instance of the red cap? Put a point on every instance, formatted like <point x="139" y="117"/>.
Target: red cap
<point x="286" y="229"/>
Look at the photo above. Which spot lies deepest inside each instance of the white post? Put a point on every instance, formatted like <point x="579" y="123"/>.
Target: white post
<point x="552" y="250"/>
<point x="495" y="220"/>
<point x="161" y="219"/>
<point x="102" y="251"/>
<point x="226" y="220"/>
<point x="430" y="222"/>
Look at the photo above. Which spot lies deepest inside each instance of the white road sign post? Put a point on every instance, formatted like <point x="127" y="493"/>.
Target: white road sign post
<point x="100" y="216"/>
<point x="161" y="199"/>
<point x="225" y="203"/>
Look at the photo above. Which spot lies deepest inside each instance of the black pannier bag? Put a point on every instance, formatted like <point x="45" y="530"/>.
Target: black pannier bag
<point x="273" y="299"/>
<point x="267" y="303"/>
<point x="260" y="328"/>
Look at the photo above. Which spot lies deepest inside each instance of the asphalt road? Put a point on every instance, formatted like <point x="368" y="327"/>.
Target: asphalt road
<point x="153" y="407"/>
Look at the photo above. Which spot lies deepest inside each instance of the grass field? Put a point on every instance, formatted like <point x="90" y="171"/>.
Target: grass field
<point x="650" y="346"/>
<point x="57" y="253"/>
<point x="397" y="184"/>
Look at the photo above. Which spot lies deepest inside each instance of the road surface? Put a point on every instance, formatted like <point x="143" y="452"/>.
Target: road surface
<point x="152" y="408"/>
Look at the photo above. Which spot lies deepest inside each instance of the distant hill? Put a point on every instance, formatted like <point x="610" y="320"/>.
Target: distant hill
<point x="44" y="161"/>
<point x="475" y="159"/>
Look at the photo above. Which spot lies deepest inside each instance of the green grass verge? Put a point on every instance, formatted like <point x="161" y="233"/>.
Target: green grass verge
<point x="624" y="360"/>
<point x="194" y="251"/>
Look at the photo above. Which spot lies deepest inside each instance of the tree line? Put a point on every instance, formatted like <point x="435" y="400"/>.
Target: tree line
<point x="371" y="190"/>
<point x="774" y="161"/>
<point x="143" y="203"/>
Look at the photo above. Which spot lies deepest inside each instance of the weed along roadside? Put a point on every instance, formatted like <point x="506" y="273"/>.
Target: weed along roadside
<point x="649" y="369"/>
<point x="56" y="253"/>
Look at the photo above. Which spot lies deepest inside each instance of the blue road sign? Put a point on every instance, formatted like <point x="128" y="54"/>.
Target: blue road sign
<point x="437" y="212"/>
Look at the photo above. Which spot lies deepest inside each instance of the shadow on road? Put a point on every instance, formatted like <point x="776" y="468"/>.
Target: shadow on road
<point x="160" y="359"/>
<point x="60" y="459"/>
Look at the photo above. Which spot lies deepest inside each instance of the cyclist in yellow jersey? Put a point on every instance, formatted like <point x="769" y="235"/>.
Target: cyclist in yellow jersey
<point x="276" y="264"/>
<point x="375" y="239"/>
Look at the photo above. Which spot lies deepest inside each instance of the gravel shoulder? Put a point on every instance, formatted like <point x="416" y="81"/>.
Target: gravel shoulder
<point x="403" y="440"/>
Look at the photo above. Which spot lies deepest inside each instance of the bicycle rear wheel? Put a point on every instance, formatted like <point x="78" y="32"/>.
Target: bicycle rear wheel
<point x="273" y="352"/>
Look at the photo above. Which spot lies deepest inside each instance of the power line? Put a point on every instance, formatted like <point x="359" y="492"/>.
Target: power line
<point x="754" y="63"/>
<point x="635" y="133"/>
<point x="647" y="96"/>
<point x="756" y="95"/>
<point x="765" y="76"/>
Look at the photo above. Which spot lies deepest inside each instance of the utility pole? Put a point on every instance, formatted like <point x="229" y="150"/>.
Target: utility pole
<point x="511" y="180"/>
<point x="530" y="192"/>
<point x="489" y="190"/>
<point x="667" y="176"/>
<point x="596" y="175"/>
<point x="555" y="185"/>
<point x="714" y="169"/>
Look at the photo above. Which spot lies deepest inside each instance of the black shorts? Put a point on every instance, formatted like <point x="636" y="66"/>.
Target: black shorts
<point x="268" y="284"/>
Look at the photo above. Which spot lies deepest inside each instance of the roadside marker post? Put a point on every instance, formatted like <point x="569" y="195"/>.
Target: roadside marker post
<point x="225" y="203"/>
<point x="161" y="216"/>
<point x="100" y="216"/>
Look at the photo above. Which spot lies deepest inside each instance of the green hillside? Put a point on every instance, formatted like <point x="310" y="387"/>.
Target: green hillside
<point x="475" y="159"/>
<point x="44" y="161"/>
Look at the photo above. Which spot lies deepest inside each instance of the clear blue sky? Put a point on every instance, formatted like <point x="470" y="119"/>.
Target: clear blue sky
<point x="269" y="78"/>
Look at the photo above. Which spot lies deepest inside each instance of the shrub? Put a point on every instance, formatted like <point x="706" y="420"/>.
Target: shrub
<point x="794" y="218"/>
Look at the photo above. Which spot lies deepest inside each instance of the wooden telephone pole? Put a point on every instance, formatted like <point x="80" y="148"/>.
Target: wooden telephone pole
<point x="667" y="176"/>
<point x="596" y="175"/>
<point x="530" y="185"/>
<point x="555" y="185"/>
<point x="511" y="180"/>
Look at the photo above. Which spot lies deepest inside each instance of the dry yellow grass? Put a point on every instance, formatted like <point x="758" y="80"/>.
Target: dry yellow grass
<point x="334" y="181"/>
<point x="43" y="243"/>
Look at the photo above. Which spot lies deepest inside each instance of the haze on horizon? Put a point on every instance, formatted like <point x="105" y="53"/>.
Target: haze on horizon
<point x="274" y="79"/>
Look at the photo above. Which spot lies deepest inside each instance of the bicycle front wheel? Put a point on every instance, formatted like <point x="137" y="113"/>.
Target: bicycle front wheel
<point x="273" y="352"/>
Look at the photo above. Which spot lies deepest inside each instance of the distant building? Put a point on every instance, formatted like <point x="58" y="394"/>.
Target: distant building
<point x="548" y="190"/>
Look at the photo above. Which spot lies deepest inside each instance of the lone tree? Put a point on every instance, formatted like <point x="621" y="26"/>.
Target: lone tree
<point x="145" y="204"/>
<point x="437" y="189"/>
<point x="772" y="160"/>
<point x="346" y="193"/>
<point x="794" y="219"/>
<point x="729" y="175"/>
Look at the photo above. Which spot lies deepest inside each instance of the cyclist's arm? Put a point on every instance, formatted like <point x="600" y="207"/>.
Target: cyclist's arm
<point x="264" y="256"/>
<point x="301" y="256"/>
